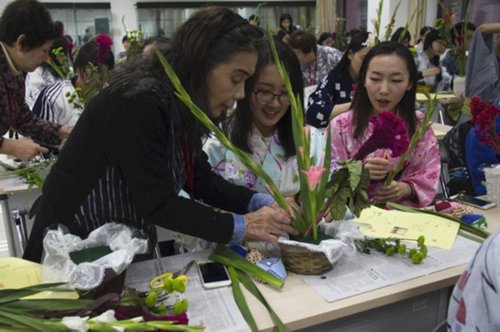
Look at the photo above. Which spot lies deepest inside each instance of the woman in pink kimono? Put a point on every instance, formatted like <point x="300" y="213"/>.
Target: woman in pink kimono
<point x="386" y="82"/>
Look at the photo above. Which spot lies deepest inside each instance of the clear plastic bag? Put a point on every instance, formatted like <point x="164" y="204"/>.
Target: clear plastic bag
<point x="59" y="267"/>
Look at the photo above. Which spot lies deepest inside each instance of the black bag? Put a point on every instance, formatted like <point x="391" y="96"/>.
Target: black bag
<point x="458" y="174"/>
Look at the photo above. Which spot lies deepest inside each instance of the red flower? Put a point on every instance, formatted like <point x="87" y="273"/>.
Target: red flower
<point x="484" y="119"/>
<point x="104" y="43"/>
<point x="389" y="132"/>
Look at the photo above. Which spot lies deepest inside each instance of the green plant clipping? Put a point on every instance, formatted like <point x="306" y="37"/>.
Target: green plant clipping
<point x="89" y="254"/>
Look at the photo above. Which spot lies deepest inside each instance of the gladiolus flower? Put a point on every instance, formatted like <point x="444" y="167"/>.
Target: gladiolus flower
<point x="313" y="176"/>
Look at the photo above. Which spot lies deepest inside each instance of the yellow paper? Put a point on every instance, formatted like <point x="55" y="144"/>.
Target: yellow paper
<point x="439" y="232"/>
<point x="17" y="273"/>
<point x="443" y="95"/>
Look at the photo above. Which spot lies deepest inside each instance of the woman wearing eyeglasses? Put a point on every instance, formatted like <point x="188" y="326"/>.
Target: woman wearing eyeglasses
<point x="261" y="125"/>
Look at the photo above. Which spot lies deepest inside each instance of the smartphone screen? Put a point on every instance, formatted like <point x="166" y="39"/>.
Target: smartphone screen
<point x="213" y="272"/>
<point x="474" y="201"/>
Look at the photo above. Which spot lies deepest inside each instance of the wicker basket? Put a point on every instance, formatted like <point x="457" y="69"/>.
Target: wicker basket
<point x="301" y="260"/>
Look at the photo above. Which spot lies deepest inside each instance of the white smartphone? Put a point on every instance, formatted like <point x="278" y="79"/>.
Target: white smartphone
<point x="474" y="201"/>
<point x="213" y="274"/>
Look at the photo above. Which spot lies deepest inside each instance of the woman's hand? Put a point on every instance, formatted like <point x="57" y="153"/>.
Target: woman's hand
<point x="23" y="149"/>
<point x="64" y="131"/>
<point x="393" y="192"/>
<point x="267" y="224"/>
<point x="378" y="168"/>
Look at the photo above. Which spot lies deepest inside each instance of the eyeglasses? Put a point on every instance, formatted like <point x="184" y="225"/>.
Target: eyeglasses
<point x="267" y="97"/>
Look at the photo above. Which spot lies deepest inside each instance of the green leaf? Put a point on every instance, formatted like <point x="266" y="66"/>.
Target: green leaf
<point x="226" y="256"/>
<point x="24" y="320"/>
<point x="43" y="305"/>
<point x="248" y="283"/>
<point x="355" y="168"/>
<point x="240" y="299"/>
<point x="8" y="295"/>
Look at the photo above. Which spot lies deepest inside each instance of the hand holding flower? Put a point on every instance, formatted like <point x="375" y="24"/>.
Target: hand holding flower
<point x="394" y="191"/>
<point x="378" y="168"/>
<point x="267" y="224"/>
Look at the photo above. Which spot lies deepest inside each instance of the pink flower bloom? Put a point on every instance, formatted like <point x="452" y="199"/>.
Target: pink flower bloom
<point x="314" y="176"/>
<point x="389" y="132"/>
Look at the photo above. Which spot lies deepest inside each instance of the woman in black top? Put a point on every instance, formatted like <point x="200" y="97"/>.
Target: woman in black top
<point x="135" y="145"/>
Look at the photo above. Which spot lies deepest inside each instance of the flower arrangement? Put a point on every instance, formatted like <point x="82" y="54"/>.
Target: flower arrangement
<point x="59" y="62"/>
<point x="446" y="29"/>
<point x="484" y="117"/>
<point x="135" y="37"/>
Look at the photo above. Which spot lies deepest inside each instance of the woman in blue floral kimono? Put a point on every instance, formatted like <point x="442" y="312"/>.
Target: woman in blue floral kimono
<point x="261" y="125"/>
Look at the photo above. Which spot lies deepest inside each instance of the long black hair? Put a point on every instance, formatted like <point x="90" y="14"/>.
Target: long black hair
<point x="358" y="42"/>
<point x="361" y="105"/>
<point x="210" y="37"/>
<point x="431" y="37"/>
<point x="239" y="124"/>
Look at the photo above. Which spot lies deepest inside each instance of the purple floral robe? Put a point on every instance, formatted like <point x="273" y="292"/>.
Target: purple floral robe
<point x="422" y="168"/>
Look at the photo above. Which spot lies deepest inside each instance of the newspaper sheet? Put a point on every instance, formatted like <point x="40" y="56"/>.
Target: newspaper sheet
<point x="358" y="273"/>
<point x="214" y="308"/>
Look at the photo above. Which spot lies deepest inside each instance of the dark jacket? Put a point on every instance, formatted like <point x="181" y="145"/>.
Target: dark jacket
<point x="121" y="163"/>
<point x="15" y="113"/>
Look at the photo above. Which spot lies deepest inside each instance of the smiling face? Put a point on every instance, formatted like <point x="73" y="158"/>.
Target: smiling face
<point x="267" y="114"/>
<point x="28" y="60"/>
<point x="226" y="82"/>
<point x="387" y="80"/>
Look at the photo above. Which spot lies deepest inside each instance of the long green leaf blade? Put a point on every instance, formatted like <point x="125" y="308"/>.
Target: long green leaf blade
<point x="248" y="283"/>
<point x="239" y="297"/>
<point x="228" y="257"/>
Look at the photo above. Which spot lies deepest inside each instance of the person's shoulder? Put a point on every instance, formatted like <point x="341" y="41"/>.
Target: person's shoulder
<point x="342" y="120"/>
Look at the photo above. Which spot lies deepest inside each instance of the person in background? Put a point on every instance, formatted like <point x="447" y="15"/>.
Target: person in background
<point x="460" y="33"/>
<point x="261" y="125"/>
<point x="136" y="145"/>
<point x="386" y="82"/>
<point x="317" y="61"/>
<point x="475" y="299"/>
<point x="26" y="34"/>
<point x="483" y="65"/>
<point x="53" y="103"/>
<point x="402" y="35"/>
<point x="419" y="43"/>
<point x="45" y="74"/>
<point x="430" y="73"/>
<point x="334" y="93"/>
<point x="122" y="56"/>
<point x="326" y="39"/>
<point x="286" y="23"/>
<point x="283" y="36"/>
